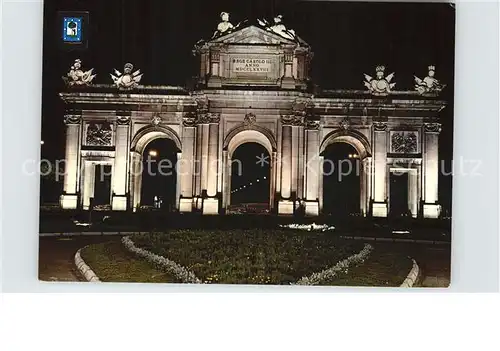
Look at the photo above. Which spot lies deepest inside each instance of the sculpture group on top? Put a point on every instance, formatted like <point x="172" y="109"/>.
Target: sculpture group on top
<point x="129" y="79"/>
<point x="76" y="76"/>
<point x="278" y="27"/>
<point x="429" y="85"/>
<point x="224" y="27"/>
<point x="380" y="85"/>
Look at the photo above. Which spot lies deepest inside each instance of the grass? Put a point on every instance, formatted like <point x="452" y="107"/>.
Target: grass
<point x="382" y="268"/>
<point x="113" y="263"/>
<point x="249" y="256"/>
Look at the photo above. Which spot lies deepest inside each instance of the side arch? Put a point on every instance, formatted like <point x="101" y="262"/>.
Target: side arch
<point x="351" y="137"/>
<point x="147" y="134"/>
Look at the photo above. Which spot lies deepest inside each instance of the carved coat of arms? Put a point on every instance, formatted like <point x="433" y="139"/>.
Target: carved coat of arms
<point x="249" y="119"/>
<point x="99" y="134"/>
<point x="404" y="142"/>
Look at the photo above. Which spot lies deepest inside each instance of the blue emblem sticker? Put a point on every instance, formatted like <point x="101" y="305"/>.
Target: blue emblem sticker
<point x="72" y="29"/>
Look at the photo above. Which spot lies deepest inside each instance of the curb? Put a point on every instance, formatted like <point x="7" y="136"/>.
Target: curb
<point x="394" y="240"/>
<point x="87" y="234"/>
<point x="411" y="278"/>
<point x="84" y="268"/>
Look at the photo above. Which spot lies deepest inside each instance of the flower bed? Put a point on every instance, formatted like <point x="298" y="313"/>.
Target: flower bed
<point x="249" y="256"/>
<point x="383" y="267"/>
<point x="162" y="263"/>
<point x="341" y="267"/>
<point x="113" y="263"/>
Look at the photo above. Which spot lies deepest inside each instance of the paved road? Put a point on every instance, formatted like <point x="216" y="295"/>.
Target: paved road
<point x="56" y="256"/>
<point x="435" y="265"/>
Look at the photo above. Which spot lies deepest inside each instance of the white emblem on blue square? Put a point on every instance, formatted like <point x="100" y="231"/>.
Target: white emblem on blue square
<point x="72" y="29"/>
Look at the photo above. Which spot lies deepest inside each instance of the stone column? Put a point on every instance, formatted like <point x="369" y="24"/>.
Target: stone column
<point x="204" y="157"/>
<point x="320" y="186"/>
<point x="226" y="181"/>
<point x="380" y="169"/>
<point x="431" y="207"/>
<point x="312" y="169"/>
<point x="186" y="166"/>
<point x="295" y="161"/>
<point x="136" y="170"/>
<point x="122" y="139"/>
<point x="285" y="206"/>
<point x="69" y="198"/>
<point x="211" y="203"/>
<point x="88" y="183"/>
<point x="412" y="191"/>
<point x="366" y="172"/>
<point x="273" y="181"/>
<point x="197" y="168"/>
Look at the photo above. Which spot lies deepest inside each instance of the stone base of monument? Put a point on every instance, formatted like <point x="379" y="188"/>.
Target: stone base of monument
<point x="431" y="210"/>
<point x="211" y="206"/>
<point x="287" y="83"/>
<point x="379" y="209"/>
<point x="214" y="82"/>
<point x="312" y="208"/>
<point x="119" y="203"/>
<point x="285" y="207"/>
<point x="198" y="203"/>
<point x="185" y="205"/>
<point x="69" y="202"/>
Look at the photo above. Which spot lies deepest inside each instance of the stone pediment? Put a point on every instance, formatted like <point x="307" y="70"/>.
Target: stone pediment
<point x="253" y="35"/>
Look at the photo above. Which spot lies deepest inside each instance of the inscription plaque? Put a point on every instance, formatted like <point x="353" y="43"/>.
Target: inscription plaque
<point x="251" y="65"/>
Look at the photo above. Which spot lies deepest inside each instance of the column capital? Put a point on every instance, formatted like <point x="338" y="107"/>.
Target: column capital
<point x="122" y="120"/>
<point x="189" y="120"/>
<point x="123" y="117"/>
<point x="380" y="126"/>
<point x="209" y="118"/>
<point x="72" y="119"/>
<point x="292" y="120"/>
<point x="312" y="125"/>
<point x="432" y="128"/>
<point x="214" y="55"/>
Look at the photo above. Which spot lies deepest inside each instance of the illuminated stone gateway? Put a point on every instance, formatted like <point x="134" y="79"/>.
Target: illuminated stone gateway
<point x="253" y="87"/>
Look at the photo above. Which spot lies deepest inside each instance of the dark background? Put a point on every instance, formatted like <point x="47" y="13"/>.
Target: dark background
<point x="348" y="39"/>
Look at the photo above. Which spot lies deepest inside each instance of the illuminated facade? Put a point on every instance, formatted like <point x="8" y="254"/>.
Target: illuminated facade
<point x="253" y="87"/>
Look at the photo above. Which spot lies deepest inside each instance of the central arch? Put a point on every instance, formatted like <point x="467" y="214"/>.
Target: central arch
<point x="351" y="137"/>
<point x="236" y="138"/>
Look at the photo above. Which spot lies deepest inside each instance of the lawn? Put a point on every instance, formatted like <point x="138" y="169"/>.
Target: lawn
<point x="113" y="263"/>
<point x="384" y="267"/>
<point x="249" y="256"/>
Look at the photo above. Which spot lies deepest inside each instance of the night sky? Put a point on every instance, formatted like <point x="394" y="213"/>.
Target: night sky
<point x="157" y="36"/>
